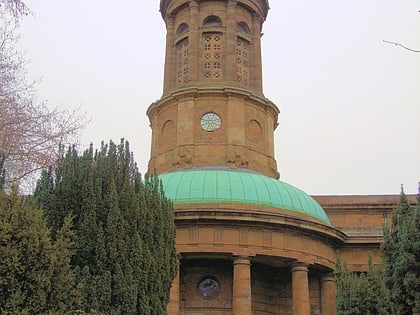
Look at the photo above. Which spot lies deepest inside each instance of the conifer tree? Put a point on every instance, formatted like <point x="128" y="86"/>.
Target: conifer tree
<point x="348" y="299"/>
<point x="124" y="229"/>
<point x="361" y="293"/>
<point x="401" y="251"/>
<point x="35" y="273"/>
<point x="377" y="295"/>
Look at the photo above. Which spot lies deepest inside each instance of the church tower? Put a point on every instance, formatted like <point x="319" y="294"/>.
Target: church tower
<point x="247" y="243"/>
<point x="213" y="112"/>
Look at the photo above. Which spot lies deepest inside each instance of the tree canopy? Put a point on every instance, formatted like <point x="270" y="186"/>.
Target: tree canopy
<point x="401" y="249"/>
<point x="35" y="272"/>
<point x="361" y="293"/>
<point x="125" y="258"/>
<point x="30" y="131"/>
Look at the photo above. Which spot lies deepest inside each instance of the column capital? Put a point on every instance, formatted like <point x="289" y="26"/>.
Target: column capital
<point x="328" y="277"/>
<point x="300" y="266"/>
<point x="241" y="260"/>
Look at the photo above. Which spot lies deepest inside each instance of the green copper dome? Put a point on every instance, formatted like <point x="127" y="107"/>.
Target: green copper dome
<point x="214" y="185"/>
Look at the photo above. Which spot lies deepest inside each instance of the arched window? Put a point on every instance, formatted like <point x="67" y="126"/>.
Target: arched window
<point x="168" y="133"/>
<point x="242" y="61"/>
<point x="212" y="55"/>
<point x="182" y="28"/>
<point x="182" y="61"/>
<point x="242" y="27"/>
<point x="212" y="49"/>
<point x="212" y="20"/>
<point x="254" y="131"/>
<point x="168" y="128"/>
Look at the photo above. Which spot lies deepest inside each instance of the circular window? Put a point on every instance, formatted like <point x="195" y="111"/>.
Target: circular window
<point x="210" y="122"/>
<point x="208" y="288"/>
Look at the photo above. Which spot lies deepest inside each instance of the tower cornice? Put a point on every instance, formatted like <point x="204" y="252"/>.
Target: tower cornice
<point x="258" y="6"/>
<point x="226" y="91"/>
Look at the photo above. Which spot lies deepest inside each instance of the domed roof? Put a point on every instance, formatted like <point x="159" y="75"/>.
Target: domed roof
<point x="214" y="185"/>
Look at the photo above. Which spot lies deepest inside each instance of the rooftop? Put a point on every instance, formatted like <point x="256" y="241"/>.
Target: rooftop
<point x="222" y="185"/>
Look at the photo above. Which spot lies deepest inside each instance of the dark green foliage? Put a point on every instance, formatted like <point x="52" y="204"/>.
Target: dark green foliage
<point x="35" y="273"/>
<point x="361" y="293"/>
<point x="124" y="228"/>
<point x="377" y="295"/>
<point x="401" y="250"/>
<point x="60" y="298"/>
<point x="348" y="298"/>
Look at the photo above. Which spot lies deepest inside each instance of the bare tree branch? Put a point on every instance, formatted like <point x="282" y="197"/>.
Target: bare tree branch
<point x="31" y="132"/>
<point x="16" y="8"/>
<point x="398" y="44"/>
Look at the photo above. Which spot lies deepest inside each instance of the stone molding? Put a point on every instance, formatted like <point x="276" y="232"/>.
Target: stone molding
<point x="193" y="92"/>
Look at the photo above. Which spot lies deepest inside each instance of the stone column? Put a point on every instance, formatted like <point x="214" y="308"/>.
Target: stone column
<point x="241" y="302"/>
<point x="174" y="298"/>
<point x="328" y="291"/>
<point x="194" y="42"/>
<point x="231" y="41"/>
<point x="169" y="54"/>
<point x="300" y="289"/>
<point x="256" y="68"/>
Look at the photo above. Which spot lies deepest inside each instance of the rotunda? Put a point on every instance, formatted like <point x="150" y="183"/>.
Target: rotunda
<point x="247" y="242"/>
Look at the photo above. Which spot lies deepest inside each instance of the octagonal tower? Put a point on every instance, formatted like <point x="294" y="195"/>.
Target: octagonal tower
<point x="213" y="111"/>
<point x="247" y="242"/>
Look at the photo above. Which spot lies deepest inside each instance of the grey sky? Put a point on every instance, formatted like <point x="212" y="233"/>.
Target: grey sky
<point x="350" y="104"/>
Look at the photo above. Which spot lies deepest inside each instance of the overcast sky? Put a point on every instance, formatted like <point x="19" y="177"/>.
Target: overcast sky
<point x="350" y="103"/>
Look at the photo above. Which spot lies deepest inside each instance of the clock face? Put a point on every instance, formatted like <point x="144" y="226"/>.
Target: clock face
<point x="208" y="288"/>
<point x="210" y="121"/>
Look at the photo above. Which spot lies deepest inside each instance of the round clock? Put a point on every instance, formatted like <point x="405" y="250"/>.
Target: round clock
<point x="208" y="288"/>
<point x="210" y="121"/>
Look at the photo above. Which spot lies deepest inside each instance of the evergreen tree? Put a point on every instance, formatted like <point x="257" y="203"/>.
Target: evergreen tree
<point x="63" y="294"/>
<point x="361" y="293"/>
<point x="377" y="295"/>
<point x="35" y="273"/>
<point x="124" y="229"/>
<point x="348" y="299"/>
<point x="401" y="249"/>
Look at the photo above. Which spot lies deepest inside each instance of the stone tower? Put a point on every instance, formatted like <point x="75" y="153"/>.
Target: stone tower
<point x="213" y="111"/>
<point x="247" y="242"/>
